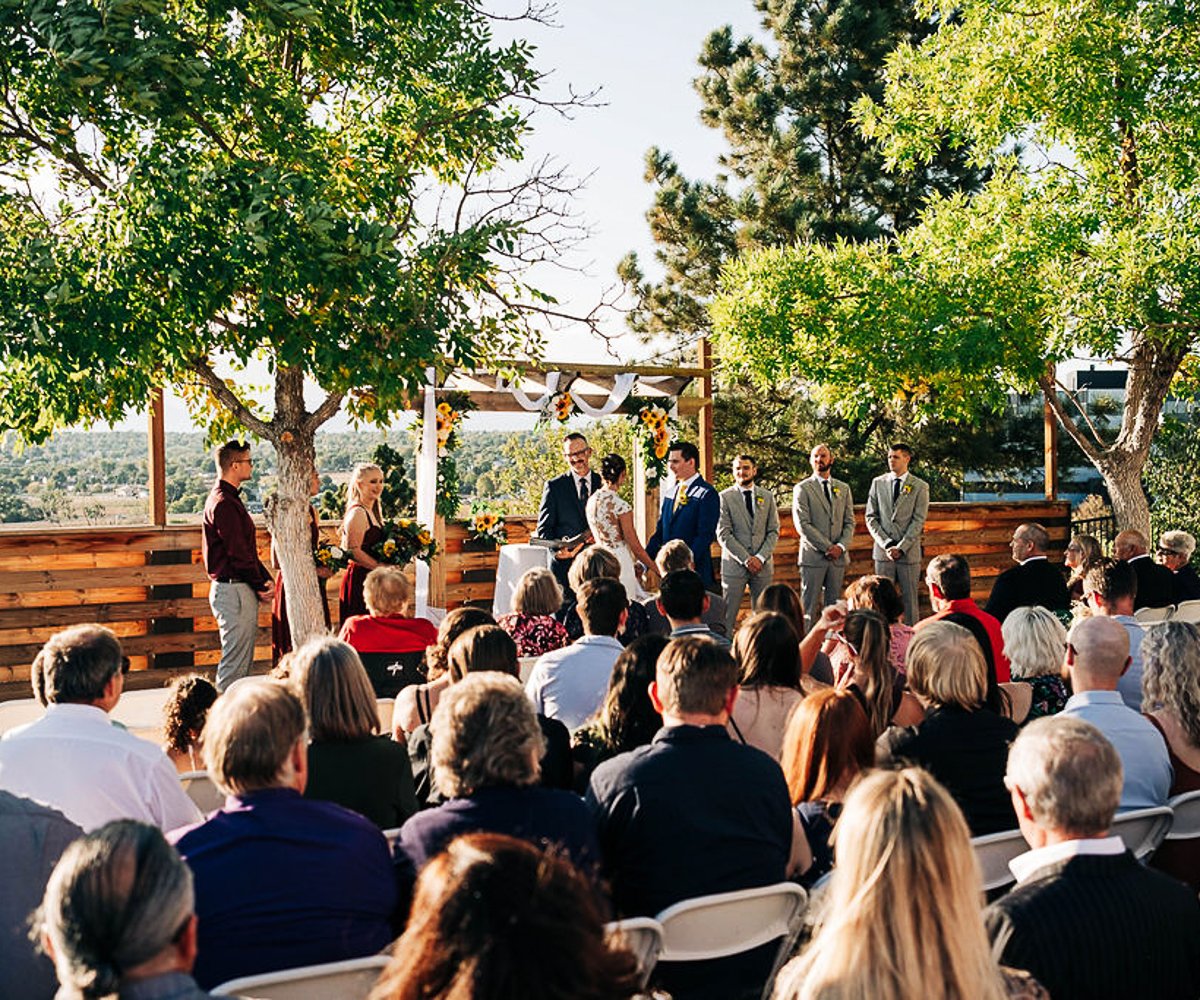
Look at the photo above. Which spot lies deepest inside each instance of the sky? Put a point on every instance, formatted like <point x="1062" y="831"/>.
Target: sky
<point x="640" y="58"/>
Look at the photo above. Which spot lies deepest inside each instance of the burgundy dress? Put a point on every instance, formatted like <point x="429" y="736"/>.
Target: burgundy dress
<point x="281" y="632"/>
<point x="351" y="599"/>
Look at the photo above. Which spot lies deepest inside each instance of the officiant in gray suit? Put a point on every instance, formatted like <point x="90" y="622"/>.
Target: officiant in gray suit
<point x="823" y="512"/>
<point x="896" y="510"/>
<point x="747" y="532"/>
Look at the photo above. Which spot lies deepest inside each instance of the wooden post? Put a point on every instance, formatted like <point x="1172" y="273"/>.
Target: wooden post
<point x="1050" y="438"/>
<point x="705" y="417"/>
<point x="645" y="501"/>
<point x="437" y="568"/>
<point x="157" y="461"/>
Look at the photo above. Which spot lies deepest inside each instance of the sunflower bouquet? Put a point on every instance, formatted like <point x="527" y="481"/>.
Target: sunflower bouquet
<point x="486" y="527"/>
<point x="653" y="428"/>
<point x="403" y="541"/>
<point x="331" y="557"/>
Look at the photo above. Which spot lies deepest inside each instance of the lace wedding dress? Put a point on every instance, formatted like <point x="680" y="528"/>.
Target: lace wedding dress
<point x="604" y="507"/>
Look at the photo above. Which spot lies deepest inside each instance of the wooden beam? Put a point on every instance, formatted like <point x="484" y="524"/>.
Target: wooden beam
<point x="157" y="460"/>
<point x="503" y="402"/>
<point x="705" y="414"/>
<point x="583" y="370"/>
<point x="1050" y="445"/>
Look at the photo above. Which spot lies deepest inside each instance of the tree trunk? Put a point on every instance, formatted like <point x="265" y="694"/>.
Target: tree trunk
<point x="1122" y="472"/>
<point x="292" y="537"/>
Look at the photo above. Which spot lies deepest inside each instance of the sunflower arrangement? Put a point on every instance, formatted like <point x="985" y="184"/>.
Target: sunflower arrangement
<point x="559" y="407"/>
<point x="653" y="428"/>
<point x="486" y="527"/>
<point x="447" y="420"/>
<point x="330" y="557"/>
<point x="403" y="541"/>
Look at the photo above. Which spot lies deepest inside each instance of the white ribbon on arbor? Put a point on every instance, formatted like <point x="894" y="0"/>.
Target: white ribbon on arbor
<point x="622" y="387"/>
<point x="427" y="474"/>
<point x="532" y="405"/>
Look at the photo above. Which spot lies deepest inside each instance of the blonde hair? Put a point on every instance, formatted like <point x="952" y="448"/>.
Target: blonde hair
<point x="945" y="666"/>
<point x="592" y="563"/>
<point x="904" y="917"/>
<point x="354" y="490"/>
<point x="329" y="678"/>
<point x="386" y="591"/>
<point x="537" y="593"/>
<point x="1171" y="674"/>
<point x="1034" y="642"/>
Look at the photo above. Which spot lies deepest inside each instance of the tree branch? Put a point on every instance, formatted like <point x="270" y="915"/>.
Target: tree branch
<point x="328" y="408"/>
<point x="1047" y="384"/>
<point x="1082" y="412"/>
<point x="216" y="385"/>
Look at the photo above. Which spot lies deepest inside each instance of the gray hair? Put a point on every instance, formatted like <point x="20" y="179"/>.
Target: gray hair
<point x="77" y="663"/>
<point x="1179" y="542"/>
<point x="1171" y="674"/>
<point x="116" y="899"/>
<point x="1035" y="534"/>
<point x="1070" y="775"/>
<point x="1034" y="642"/>
<point x="485" y="733"/>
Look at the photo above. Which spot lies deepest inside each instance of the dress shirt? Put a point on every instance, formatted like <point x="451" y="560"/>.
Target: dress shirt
<point x="701" y="630"/>
<point x="34" y="838"/>
<point x="897" y="485"/>
<point x="75" y="759"/>
<point x="1129" y="685"/>
<point x="228" y="541"/>
<point x="1141" y="747"/>
<point x="167" y="986"/>
<point x="283" y="881"/>
<point x="1026" y="866"/>
<point x="569" y="684"/>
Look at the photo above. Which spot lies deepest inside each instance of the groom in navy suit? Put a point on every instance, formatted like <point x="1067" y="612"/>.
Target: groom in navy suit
<point x="690" y="512"/>
<point x="562" y="513"/>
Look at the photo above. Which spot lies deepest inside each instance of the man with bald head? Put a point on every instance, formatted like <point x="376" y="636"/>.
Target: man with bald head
<point x="1034" y="581"/>
<point x="1096" y="657"/>
<point x="1155" y="583"/>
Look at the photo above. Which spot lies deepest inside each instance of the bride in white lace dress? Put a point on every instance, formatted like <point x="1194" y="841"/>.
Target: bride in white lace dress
<point x="611" y="521"/>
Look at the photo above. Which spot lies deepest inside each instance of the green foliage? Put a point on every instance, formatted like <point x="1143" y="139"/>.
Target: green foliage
<point x="535" y="456"/>
<point x="398" y="497"/>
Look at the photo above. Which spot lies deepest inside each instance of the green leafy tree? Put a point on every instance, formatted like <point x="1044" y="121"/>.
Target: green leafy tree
<point x="259" y="184"/>
<point x="1087" y="243"/>
<point x="535" y="456"/>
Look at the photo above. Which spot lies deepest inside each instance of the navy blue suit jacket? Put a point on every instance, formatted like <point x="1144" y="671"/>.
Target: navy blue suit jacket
<point x="695" y="523"/>
<point x="561" y="515"/>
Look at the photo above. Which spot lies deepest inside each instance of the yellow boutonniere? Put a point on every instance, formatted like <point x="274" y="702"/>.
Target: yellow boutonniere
<point x="907" y="488"/>
<point x="836" y="491"/>
<point x="758" y="500"/>
<point x="681" y="500"/>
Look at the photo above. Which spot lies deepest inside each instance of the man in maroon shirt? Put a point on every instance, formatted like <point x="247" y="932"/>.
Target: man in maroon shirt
<point x="239" y="579"/>
<point x="949" y="580"/>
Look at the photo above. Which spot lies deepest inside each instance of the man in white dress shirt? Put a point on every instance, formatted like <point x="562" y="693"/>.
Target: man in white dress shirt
<point x="748" y="531"/>
<point x="823" y="512"/>
<point x="897" y="506"/>
<point x="75" y="758"/>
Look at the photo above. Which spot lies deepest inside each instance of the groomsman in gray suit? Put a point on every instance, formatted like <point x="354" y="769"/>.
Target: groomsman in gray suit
<point x="747" y="531"/>
<point x="896" y="509"/>
<point x="823" y="512"/>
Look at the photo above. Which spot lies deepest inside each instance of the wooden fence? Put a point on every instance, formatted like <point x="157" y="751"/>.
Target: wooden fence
<point x="148" y="584"/>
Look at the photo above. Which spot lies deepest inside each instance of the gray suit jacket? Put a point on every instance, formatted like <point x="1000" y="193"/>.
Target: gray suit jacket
<point x="901" y="525"/>
<point x="739" y="537"/>
<point x="820" y="525"/>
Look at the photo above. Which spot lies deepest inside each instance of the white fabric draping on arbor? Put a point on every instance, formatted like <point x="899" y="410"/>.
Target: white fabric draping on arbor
<point x="427" y="474"/>
<point x="622" y="387"/>
<point x="534" y="406"/>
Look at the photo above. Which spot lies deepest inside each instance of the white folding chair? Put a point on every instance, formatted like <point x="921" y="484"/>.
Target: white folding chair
<point x="1142" y="829"/>
<point x="202" y="790"/>
<point x="20" y="712"/>
<point x="1185" y="816"/>
<point x="729" y="923"/>
<point x="1148" y="616"/>
<point x="392" y="836"/>
<point x="995" y="851"/>
<point x="348" y="980"/>
<point x="1187" y="611"/>
<point x="640" y="935"/>
<point x="384" y="707"/>
<point x="525" y="667"/>
<point x="141" y="709"/>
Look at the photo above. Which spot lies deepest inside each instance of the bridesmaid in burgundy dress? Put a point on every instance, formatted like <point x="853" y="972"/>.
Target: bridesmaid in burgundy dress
<point x="361" y="528"/>
<point x="281" y="633"/>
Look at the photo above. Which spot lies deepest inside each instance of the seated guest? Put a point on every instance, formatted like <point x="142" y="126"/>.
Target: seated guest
<point x="948" y="578"/>
<point x="1035" y="640"/>
<point x="568" y="684"/>
<point x="183" y="720"/>
<point x="74" y="758"/>
<point x="489" y="648"/>
<point x="767" y="651"/>
<point x="486" y="745"/>
<point x="34" y="837"/>
<point x="695" y="813"/>
<point x="960" y="742"/>
<point x="627" y="718"/>
<point x="1083" y="552"/>
<point x="1109" y="588"/>
<point x="1175" y="550"/>
<point x="828" y="744"/>
<point x="1155" y="583"/>
<point x="1086" y="918"/>
<point x="881" y="595"/>
<point x="814" y="661"/>
<point x="415" y="704"/>
<point x="906" y="878"/>
<point x="673" y="557"/>
<point x="870" y="676"/>
<point x="683" y="599"/>
<point x="494" y="916"/>
<point x="348" y="761"/>
<point x="119" y="918"/>
<point x="1171" y="654"/>
<point x="531" y="622"/>
<point x="1097" y="655"/>
<point x="388" y="630"/>
<point x="1033" y="581"/>
<point x="281" y="881"/>
<point x="593" y="563"/>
